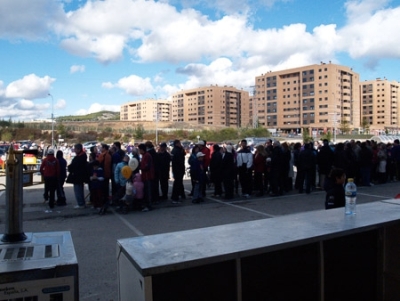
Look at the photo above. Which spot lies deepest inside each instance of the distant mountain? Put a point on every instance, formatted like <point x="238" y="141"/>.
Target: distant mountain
<point x="102" y="115"/>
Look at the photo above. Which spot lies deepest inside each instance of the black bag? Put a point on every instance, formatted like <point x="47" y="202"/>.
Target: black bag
<point x="70" y="178"/>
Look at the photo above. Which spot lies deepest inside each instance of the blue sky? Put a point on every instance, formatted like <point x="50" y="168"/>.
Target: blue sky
<point x="96" y="55"/>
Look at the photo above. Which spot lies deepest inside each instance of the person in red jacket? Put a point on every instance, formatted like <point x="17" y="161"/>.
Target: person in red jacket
<point x="206" y="163"/>
<point x="50" y="171"/>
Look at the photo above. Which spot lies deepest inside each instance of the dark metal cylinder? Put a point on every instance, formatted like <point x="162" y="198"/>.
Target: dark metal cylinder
<point x="14" y="198"/>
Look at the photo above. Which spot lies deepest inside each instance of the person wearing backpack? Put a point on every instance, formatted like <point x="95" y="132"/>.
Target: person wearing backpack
<point x="50" y="171"/>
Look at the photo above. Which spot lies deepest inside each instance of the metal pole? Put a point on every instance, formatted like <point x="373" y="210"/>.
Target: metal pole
<point x="52" y="121"/>
<point x="156" y="120"/>
<point x="14" y="198"/>
<point x="334" y="118"/>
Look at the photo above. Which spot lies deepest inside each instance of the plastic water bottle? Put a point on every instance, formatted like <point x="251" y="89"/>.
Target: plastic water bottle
<point x="351" y="197"/>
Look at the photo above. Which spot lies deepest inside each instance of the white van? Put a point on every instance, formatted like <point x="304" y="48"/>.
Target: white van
<point x="253" y="141"/>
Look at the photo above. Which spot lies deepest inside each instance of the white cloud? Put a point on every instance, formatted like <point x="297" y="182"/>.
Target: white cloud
<point x="204" y="49"/>
<point x="107" y="85"/>
<point x="359" y="10"/>
<point x="26" y="104"/>
<point x="2" y="91"/>
<point x="132" y="85"/>
<point x="96" y="107"/>
<point x="374" y="34"/>
<point x="23" y="109"/>
<point x="30" y="86"/>
<point x="60" y="104"/>
<point x="77" y="68"/>
<point x="106" y="48"/>
<point x="158" y="78"/>
<point x="28" y="19"/>
<point x="104" y="29"/>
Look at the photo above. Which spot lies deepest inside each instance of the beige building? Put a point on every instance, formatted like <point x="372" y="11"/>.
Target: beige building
<point x="379" y="105"/>
<point x="315" y="97"/>
<point x="212" y="106"/>
<point x="146" y="110"/>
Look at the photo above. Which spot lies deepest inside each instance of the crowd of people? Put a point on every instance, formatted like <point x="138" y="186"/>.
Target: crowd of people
<point x="138" y="177"/>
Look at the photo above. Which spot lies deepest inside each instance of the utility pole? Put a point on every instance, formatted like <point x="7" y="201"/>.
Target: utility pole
<point x="255" y="109"/>
<point x="52" y="120"/>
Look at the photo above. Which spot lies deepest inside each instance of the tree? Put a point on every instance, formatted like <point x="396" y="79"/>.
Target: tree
<point x="365" y="125"/>
<point x="6" y="135"/>
<point x="306" y="136"/>
<point x="138" y="132"/>
<point x="226" y="134"/>
<point x="61" y="129"/>
<point x="344" y="126"/>
<point x="327" y="136"/>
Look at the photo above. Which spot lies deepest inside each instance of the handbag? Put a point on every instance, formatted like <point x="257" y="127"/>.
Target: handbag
<point x="70" y="178"/>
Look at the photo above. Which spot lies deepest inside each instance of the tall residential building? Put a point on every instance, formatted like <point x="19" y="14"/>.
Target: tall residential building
<point x="211" y="106"/>
<point x="146" y="110"/>
<point x="317" y="97"/>
<point x="380" y="105"/>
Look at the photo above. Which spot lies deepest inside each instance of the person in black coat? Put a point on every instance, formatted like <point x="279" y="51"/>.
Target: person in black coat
<point x="276" y="169"/>
<point x="178" y="169"/>
<point x="306" y="168"/>
<point x="62" y="163"/>
<point x="324" y="160"/>
<point x="164" y="163"/>
<point x="352" y="166"/>
<point x="228" y="171"/>
<point x="340" y="159"/>
<point x="155" y="193"/>
<point x="216" y="170"/>
<point x="335" y="196"/>
<point x="296" y="153"/>
<point x="365" y="164"/>
<point x="78" y="168"/>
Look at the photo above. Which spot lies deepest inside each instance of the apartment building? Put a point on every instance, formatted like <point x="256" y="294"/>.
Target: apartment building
<point x="212" y="106"/>
<point x="146" y="110"/>
<point x="317" y="97"/>
<point x="379" y="105"/>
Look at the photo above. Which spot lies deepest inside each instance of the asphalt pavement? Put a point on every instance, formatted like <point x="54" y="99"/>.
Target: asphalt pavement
<point x="95" y="236"/>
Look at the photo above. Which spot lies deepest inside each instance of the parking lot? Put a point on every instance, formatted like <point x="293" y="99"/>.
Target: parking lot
<point x="95" y="236"/>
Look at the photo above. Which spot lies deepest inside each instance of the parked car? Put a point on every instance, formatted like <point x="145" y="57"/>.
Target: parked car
<point x="87" y="145"/>
<point x="253" y="141"/>
<point x="2" y="158"/>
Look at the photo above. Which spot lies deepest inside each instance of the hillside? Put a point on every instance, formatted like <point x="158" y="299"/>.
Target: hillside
<point x="98" y="116"/>
<point x="108" y="119"/>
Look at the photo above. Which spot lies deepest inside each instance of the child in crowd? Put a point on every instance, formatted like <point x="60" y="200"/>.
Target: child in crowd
<point x="134" y="193"/>
<point x="95" y="185"/>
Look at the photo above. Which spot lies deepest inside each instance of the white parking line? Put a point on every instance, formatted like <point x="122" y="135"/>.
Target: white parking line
<point x="376" y="196"/>
<point x="128" y="224"/>
<point x="240" y="207"/>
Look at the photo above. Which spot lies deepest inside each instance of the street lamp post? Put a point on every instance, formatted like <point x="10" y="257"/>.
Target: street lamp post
<point x="156" y="119"/>
<point x="334" y="118"/>
<point x="52" y="120"/>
